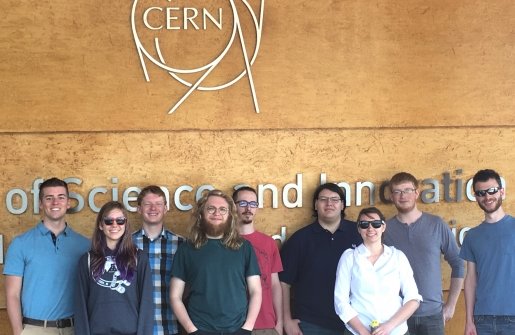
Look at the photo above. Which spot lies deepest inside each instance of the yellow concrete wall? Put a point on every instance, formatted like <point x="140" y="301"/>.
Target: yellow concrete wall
<point x="356" y="90"/>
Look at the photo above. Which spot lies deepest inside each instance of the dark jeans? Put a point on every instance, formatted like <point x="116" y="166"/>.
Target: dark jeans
<point x="238" y="332"/>
<point x="312" y="329"/>
<point x="426" y="325"/>
<point x="494" y="325"/>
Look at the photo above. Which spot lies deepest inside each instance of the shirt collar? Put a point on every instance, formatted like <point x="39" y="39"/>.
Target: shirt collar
<point x="363" y="251"/>
<point x="163" y="234"/>
<point x="318" y="228"/>
<point x="44" y="230"/>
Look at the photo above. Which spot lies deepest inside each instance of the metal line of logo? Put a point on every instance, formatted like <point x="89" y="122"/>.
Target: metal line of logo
<point x="236" y="32"/>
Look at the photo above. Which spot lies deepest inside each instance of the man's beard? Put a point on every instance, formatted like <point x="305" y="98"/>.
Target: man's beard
<point x="247" y="219"/>
<point x="404" y="210"/>
<point x="214" y="230"/>
<point x="490" y="210"/>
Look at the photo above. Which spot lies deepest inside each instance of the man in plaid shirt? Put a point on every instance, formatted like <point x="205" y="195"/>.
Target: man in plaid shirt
<point x="161" y="245"/>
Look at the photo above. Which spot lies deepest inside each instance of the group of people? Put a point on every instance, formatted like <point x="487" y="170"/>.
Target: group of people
<point x="334" y="276"/>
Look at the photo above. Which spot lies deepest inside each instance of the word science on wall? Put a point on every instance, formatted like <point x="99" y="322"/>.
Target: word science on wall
<point x="360" y="193"/>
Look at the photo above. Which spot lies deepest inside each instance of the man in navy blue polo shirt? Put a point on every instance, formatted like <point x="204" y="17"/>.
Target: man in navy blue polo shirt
<point x="310" y="258"/>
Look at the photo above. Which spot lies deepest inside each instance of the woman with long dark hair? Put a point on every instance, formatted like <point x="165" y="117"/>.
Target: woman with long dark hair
<point x="114" y="294"/>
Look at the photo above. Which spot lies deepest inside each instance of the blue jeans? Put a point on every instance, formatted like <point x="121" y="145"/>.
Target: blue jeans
<point x="494" y="325"/>
<point x="426" y="325"/>
<point x="312" y="329"/>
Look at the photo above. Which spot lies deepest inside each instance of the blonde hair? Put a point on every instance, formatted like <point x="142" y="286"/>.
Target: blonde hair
<point x="231" y="238"/>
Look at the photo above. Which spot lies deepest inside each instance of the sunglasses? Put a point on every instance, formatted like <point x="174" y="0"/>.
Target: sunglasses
<point x="119" y="221"/>
<point x="375" y="224"/>
<point x="490" y="191"/>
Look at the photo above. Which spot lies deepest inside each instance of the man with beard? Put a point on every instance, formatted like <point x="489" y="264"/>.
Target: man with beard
<point x="160" y="244"/>
<point x="269" y="320"/>
<point x="218" y="267"/>
<point x="489" y="250"/>
<point x="423" y="238"/>
<point x="310" y="258"/>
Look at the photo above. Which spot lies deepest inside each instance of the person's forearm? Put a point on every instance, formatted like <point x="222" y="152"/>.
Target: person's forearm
<point x="358" y="326"/>
<point x="277" y="300"/>
<point x="252" y="314"/>
<point x="182" y="316"/>
<point x="404" y="313"/>
<point x="454" y="291"/>
<point x="286" y="302"/>
<point x="15" y="317"/>
<point x="13" y="285"/>
<point x="255" y="296"/>
<point x="470" y="297"/>
<point x="176" y="293"/>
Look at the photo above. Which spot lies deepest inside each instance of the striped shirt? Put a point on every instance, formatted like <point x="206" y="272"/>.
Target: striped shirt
<point x="161" y="252"/>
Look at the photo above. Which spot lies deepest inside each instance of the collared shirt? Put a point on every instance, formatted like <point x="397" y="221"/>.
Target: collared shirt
<point x="161" y="252"/>
<point x="310" y="257"/>
<point x="44" y="263"/>
<point x="371" y="291"/>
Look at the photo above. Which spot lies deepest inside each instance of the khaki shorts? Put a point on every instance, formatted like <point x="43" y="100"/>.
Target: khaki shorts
<point x="36" y="330"/>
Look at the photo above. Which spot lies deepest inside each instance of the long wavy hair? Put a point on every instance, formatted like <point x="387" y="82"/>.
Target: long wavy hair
<point x="231" y="238"/>
<point x="125" y="253"/>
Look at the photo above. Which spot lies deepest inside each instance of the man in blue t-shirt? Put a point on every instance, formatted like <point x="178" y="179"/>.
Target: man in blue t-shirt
<point x="310" y="258"/>
<point x="41" y="268"/>
<point x="489" y="252"/>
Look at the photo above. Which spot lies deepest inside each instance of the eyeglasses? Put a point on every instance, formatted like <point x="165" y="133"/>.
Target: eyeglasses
<point x="490" y="191"/>
<point x="333" y="200"/>
<point x="245" y="203"/>
<point x="405" y="191"/>
<point x="375" y="224"/>
<point x="119" y="221"/>
<point x="221" y="210"/>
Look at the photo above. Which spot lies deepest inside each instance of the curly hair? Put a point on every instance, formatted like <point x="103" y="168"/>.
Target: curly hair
<point x="231" y="238"/>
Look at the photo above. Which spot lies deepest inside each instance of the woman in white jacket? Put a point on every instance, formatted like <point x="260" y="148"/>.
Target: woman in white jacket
<point x="375" y="282"/>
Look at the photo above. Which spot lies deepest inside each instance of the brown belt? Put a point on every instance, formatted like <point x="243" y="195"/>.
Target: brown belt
<point x="63" y="323"/>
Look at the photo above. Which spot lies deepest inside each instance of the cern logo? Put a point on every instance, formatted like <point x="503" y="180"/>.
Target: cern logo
<point x="167" y="34"/>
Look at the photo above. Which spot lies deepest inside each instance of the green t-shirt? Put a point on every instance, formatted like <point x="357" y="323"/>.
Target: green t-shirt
<point x="215" y="278"/>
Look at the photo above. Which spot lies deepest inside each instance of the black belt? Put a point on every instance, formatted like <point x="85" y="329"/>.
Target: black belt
<point x="63" y="323"/>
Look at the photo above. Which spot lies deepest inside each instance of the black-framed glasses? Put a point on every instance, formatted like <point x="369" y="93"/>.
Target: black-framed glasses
<point x="489" y="191"/>
<point x="245" y="203"/>
<point x="119" y="221"/>
<point x="333" y="200"/>
<point x="221" y="210"/>
<point x="375" y="224"/>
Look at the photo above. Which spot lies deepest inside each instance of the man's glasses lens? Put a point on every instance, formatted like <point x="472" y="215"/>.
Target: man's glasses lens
<point x="490" y="191"/>
<point x="119" y="221"/>
<point x="405" y="191"/>
<point x="375" y="224"/>
<point x="221" y="210"/>
<point x="333" y="200"/>
<point x="245" y="203"/>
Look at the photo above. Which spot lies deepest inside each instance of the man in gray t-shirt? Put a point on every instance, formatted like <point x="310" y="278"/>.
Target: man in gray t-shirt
<point x="423" y="238"/>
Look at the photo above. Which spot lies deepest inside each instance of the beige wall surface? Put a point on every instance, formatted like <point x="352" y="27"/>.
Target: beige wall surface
<point x="351" y="90"/>
<point x="66" y="65"/>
